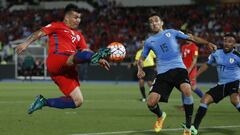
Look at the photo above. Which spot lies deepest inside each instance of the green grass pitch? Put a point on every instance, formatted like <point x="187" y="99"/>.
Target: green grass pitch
<point x="108" y="108"/>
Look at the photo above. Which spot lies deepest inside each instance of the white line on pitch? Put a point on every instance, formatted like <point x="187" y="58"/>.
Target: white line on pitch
<point x="142" y="131"/>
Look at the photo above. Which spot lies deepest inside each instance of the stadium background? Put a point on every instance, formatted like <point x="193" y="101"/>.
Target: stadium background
<point x="110" y="107"/>
<point x="105" y="21"/>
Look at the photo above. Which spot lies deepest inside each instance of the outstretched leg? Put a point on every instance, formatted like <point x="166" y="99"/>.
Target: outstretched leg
<point x="74" y="100"/>
<point x="88" y="56"/>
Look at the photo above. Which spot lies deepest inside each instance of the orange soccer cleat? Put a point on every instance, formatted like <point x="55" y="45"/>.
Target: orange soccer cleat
<point x="159" y="123"/>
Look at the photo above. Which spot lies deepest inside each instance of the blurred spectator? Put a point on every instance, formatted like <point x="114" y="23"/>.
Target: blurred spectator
<point x="125" y="25"/>
<point x="38" y="69"/>
<point x="27" y="66"/>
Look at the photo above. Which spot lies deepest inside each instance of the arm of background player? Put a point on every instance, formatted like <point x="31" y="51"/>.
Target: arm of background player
<point x="36" y="35"/>
<point x="140" y="73"/>
<point x="194" y="62"/>
<point x="202" y="69"/>
<point x="199" y="40"/>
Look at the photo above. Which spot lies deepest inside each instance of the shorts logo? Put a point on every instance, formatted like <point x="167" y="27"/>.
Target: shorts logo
<point x="186" y="80"/>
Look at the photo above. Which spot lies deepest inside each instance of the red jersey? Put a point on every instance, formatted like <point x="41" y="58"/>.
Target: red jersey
<point x="62" y="39"/>
<point x="188" y="52"/>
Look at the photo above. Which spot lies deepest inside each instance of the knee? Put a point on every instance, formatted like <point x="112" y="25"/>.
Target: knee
<point x="187" y="93"/>
<point x="151" y="102"/>
<point x="78" y="102"/>
<point x="186" y="90"/>
<point x="203" y="100"/>
<point x="206" y="100"/>
<point x="234" y="99"/>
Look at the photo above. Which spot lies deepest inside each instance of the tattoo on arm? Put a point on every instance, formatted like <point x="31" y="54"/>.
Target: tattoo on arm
<point x="36" y="35"/>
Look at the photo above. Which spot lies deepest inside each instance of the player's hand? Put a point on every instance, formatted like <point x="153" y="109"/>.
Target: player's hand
<point x="104" y="63"/>
<point x="212" y="46"/>
<point x="140" y="74"/>
<point x="21" y="48"/>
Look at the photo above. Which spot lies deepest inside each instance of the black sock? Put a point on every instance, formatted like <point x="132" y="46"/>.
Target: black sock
<point x="188" y="114"/>
<point x="199" y="116"/>
<point x="239" y="109"/>
<point x="156" y="109"/>
<point x="142" y="89"/>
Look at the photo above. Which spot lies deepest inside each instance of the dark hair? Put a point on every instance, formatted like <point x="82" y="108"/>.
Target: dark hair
<point x="230" y="35"/>
<point x="154" y="14"/>
<point x="71" y="7"/>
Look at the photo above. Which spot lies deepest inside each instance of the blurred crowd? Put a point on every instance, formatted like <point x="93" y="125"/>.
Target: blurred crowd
<point x="129" y="26"/>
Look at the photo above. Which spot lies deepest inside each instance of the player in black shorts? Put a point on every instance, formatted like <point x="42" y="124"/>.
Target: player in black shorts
<point x="227" y="60"/>
<point x="170" y="68"/>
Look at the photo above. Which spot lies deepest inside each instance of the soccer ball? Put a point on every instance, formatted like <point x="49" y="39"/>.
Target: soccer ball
<point x="118" y="51"/>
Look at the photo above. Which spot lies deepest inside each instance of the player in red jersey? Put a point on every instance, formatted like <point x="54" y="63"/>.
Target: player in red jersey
<point x="67" y="47"/>
<point x="189" y="56"/>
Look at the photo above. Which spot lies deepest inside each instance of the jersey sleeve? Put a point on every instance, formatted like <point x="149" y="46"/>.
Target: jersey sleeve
<point x="146" y="49"/>
<point x="152" y="54"/>
<point x="195" y="50"/>
<point x="50" y="28"/>
<point x="180" y="34"/>
<point x="138" y="54"/>
<point x="211" y="59"/>
<point x="82" y="43"/>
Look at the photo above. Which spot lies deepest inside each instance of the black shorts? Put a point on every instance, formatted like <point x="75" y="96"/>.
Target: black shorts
<point x="221" y="91"/>
<point x="150" y="73"/>
<point x="165" y="82"/>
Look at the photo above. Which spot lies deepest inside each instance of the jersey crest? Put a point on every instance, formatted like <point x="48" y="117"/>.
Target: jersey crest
<point x="168" y="34"/>
<point x="231" y="60"/>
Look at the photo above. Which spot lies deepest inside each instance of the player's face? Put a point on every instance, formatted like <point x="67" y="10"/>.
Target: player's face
<point x="228" y="43"/>
<point x="74" y="18"/>
<point x="155" y="23"/>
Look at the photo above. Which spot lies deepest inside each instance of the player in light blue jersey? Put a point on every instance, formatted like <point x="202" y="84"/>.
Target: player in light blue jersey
<point x="228" y="68"/>
<point x="171" y="70"/>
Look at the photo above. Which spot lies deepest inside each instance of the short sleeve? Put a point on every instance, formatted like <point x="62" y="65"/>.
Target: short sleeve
<point x="82" y="43"/>
<point x="195" y="50"/>
<point x="146" y="49"/>
<point x="50" y="28"/>
<point x="180" y="34"/>
<point x="138" y="54"/>
<point x="211" y="59"/>
<point x="153" y="54"/>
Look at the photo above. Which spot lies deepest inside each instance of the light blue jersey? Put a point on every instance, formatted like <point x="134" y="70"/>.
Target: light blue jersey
<point x="164" y="45"/>
<point x="228" y="65"/>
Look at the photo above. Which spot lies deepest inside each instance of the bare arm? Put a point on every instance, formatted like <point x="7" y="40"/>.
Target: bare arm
<point x="140" y="73"/>
<point x="194" y="62"/>
<point x="202" y="69"/>
<point x="199" y="40"/>
<point x="36" y="35"/>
